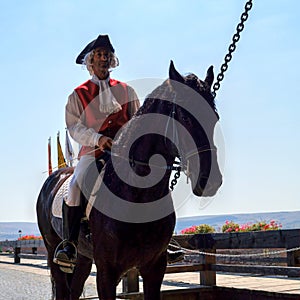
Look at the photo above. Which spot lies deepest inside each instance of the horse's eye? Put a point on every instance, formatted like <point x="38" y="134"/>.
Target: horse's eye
<point x="185" y="119"/>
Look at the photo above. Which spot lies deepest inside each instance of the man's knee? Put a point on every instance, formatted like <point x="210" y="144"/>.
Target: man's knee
<point x="74" y="194"/>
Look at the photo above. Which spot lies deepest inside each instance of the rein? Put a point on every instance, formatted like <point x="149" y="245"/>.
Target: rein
<point x="178" y="168"/>
<point x="134" y="162"/>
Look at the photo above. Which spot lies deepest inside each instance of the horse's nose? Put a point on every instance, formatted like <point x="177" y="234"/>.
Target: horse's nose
<point x="209" y="185"/>
<point x="211" y="188"/>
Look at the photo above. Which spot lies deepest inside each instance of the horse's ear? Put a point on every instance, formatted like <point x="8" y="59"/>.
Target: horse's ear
<point x="210" y="76"/>
<point x="174" y="74"/>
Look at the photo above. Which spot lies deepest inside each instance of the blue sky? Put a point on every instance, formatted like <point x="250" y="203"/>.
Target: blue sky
<point x="258" y="100"/>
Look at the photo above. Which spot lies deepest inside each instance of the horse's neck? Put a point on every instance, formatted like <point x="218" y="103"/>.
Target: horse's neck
<point x="145" y="156"/>
<point x="149" y="163"/>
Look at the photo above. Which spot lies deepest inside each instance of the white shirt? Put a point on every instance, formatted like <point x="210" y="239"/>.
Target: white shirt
<point x="74" y="116"/>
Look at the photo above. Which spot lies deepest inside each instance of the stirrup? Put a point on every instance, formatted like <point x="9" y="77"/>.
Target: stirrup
<point x="65" y="266"/>
<point x="175" y="256"/>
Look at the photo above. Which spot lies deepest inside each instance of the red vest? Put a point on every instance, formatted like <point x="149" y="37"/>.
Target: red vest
<point x="100" y="122"/>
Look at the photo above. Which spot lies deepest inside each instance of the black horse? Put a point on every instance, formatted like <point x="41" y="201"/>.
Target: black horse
<point x="132" y="217"/>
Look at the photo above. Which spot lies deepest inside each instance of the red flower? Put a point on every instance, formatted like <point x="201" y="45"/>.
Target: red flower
<point x="29" y="237"/>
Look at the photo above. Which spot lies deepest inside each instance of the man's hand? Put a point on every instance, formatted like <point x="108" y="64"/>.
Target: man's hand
<point x="104" y="143"/>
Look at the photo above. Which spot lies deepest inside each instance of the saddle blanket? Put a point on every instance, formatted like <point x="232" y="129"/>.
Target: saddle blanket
<point x="61" y="194"/>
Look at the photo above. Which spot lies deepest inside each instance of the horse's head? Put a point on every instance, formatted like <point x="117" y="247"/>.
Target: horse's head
<point x="194" y="108"/>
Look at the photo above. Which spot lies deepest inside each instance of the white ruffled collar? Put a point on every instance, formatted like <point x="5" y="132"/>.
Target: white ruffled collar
<point x="107" y="102"/>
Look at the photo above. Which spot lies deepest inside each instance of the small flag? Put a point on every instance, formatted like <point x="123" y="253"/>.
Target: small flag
<point x="60" y="155"/>
<point x="69" y="153"/>
<point x="49" y="157"/>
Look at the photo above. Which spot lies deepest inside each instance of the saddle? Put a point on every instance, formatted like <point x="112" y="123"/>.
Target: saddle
<point x="91" y="184"/>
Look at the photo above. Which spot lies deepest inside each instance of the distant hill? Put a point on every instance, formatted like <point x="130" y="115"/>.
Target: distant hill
<point x="289" y="220"/>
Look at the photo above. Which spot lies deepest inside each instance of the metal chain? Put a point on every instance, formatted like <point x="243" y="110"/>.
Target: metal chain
<point x="176" y="177"/>
<point x="270" y="253"/>
<point x="232" y="47"/>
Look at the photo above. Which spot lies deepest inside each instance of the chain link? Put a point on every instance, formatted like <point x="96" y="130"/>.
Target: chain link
<point x="232" y="47"/>
<point x="176" y="177"/>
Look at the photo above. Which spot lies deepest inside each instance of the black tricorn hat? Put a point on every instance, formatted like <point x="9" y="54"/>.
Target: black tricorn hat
<point x="100" y="41"/>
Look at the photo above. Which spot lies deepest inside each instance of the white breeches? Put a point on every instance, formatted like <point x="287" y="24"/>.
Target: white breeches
<point x="77" y="180"/>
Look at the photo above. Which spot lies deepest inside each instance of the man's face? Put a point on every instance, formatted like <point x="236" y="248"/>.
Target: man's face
<point x="101" y="62"/>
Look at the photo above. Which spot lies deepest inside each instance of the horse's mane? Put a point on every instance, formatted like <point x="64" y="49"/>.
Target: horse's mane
<point x="202" y="88"/>
<point x="154" y="101"/>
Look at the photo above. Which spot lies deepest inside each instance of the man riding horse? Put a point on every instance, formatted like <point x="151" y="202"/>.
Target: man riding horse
<point x="95" y="111"/>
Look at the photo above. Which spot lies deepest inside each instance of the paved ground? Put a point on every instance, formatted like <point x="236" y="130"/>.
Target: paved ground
<point x="17" y="285"/>
<point x="30" y="280"/>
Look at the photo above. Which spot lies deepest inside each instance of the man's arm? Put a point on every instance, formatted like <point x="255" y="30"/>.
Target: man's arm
<point x="133" y="102"/>
<point x="75" y="120"/>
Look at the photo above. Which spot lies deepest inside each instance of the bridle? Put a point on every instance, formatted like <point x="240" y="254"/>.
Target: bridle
<point x="199" y="150"/>
<point x="184" y="162"/>
<point x="192" y="153"/>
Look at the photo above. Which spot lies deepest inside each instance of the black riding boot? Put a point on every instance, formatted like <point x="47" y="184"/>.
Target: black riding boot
<point x="71" y="225"/>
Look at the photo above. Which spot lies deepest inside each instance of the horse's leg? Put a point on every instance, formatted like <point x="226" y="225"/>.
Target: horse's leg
<point x="81" y="273"/>
<point x="107" y="280"/>
<point x="153" y="274"/>
<point x="60" y="280"/>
